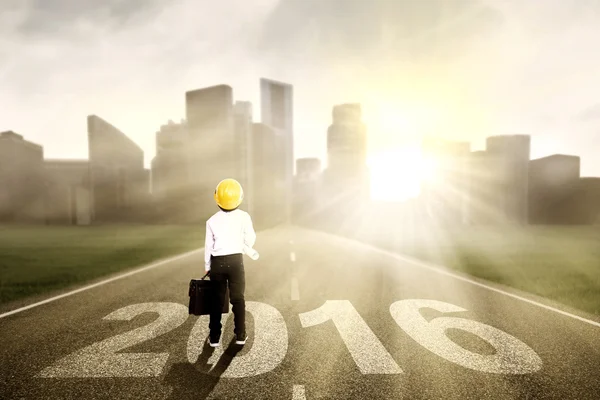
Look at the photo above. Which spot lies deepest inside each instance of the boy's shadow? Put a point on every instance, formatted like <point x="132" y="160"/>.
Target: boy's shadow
<point x="197" y="381"/>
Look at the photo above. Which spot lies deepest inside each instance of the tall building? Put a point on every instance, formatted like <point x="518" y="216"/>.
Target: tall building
<point x="21" y="179"/>
<point x="346" y="173"/>
<point x="170" y="166"/>
<point x="445" y="194"/>
<point x="242" y="111"/>
<point x="213" y="148"/>
<point x="171" y="173"/>
<point x="268" y="189"/>
<point x="512" y="188"/>
<point x="68" y="195"/>
<point x="117" y="175"/>
<point x="587" y="200"/>
<point x="553" y="184"/>
<point x="276" y="100"/>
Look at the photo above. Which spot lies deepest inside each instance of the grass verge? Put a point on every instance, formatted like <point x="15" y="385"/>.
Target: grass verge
<point x="35" y="260"/>
<point x="558" y="263"/>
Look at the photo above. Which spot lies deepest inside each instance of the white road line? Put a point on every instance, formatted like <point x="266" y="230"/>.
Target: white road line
<point x="444" y="271"/>
<point x="114" y="278"/>
<point x="298" y="393"/>
<point x="292" y="256"/>
<point x="295" y="289"/>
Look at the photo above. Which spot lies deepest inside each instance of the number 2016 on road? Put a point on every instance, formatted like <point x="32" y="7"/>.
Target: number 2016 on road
<point x="102" y="359"/>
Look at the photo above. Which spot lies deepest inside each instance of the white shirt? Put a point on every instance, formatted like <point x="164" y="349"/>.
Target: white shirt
<point x="228" y="233"/>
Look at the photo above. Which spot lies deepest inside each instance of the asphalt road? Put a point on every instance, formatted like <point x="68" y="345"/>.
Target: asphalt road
<point x="328" y="319"/>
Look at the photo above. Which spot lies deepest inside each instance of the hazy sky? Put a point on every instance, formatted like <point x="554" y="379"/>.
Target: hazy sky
<point x="464" y="69"/>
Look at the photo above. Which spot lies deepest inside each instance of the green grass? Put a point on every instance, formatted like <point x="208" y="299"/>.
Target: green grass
<point x="558" y="263"/>
<point x="36" y="260"/>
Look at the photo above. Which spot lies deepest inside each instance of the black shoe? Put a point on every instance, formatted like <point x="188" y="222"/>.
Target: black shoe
<point x="241" y="339"/>
<point x="214" y="341"/>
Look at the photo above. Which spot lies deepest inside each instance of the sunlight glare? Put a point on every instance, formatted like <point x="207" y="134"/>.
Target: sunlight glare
<point x="396" y="175"/>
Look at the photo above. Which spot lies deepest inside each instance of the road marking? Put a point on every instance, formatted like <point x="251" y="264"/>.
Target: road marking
<point x="292" y="256"/>
<point x="103" y="359"/>
<point x="366" y="349"/>
<point x="267" y="350"/>
<point x="295" y="289"/>
<point x="114" y="278"/>
<point x="198" y="337"/>
<point x="298" y="393"/>
<point x="444" y="271"/>
<point x="511" y="356"/>
<point x="269" y="347"/>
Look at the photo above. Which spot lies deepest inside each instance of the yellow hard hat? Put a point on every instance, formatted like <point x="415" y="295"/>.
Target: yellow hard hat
<point x="229" y="194"/>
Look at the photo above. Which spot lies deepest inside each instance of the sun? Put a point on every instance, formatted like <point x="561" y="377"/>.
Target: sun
<point x="398" y="171"/>
<point x="396" y="175"/>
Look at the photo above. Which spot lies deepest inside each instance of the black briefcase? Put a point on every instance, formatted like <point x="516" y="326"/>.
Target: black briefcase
<point x="202" y="297"/>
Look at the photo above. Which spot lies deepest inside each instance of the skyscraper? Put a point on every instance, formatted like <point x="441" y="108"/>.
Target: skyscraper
<point x="21" y="179"/>
<point x="276" y="100"/>
<point x="243" y="136"/>
<point x="587" y="200"/>
<point x="346" y="171"/>
<point x="117" y="171"/>
<point x="213" y="151"/>
<point x="268" y="181"/>
<point x="68" y="196"/>
<point x="553" y="184"/>
<point x="170" y="166"/>
<point x="512" y="189"/>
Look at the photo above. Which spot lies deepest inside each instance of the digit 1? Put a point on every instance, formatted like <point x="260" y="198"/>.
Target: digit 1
<point x="367" y="351"/>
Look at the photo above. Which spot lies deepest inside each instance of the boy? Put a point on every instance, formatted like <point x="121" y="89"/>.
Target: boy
<point x="229" y="234"/>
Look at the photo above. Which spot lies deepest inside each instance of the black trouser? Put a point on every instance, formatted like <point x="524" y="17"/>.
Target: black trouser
<point x="228" y="270"/>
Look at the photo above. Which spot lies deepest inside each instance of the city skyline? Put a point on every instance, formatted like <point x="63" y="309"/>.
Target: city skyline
<point x="407" y="167"/>
<point x="514" y="69"/>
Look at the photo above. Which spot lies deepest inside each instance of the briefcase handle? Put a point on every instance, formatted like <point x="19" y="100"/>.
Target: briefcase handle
<point x="207" y="273"/>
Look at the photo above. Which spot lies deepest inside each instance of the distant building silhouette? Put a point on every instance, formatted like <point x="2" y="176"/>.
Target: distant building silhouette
<point x="345" y="184"/>
<point x="218" y="139"/>
<point x="587" y="200"/>
<point x="276" y="99"/>
<point x="209" y="115"/>
<point x="119" y="185"/>
<point x="243" y="138"/>
<point x="171" y="173"/>
<point x="68" y="194"/>
<point x="510" y="197"/>
<point x="346" y="176"/>
<point x="268" y="178"/>
<point x="21" y="179"/>
<point x="553" y="187"/>
<point x="170" y="166"/>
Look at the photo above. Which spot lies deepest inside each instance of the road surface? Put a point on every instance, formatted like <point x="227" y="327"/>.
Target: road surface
<point x="328" y="318"/>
